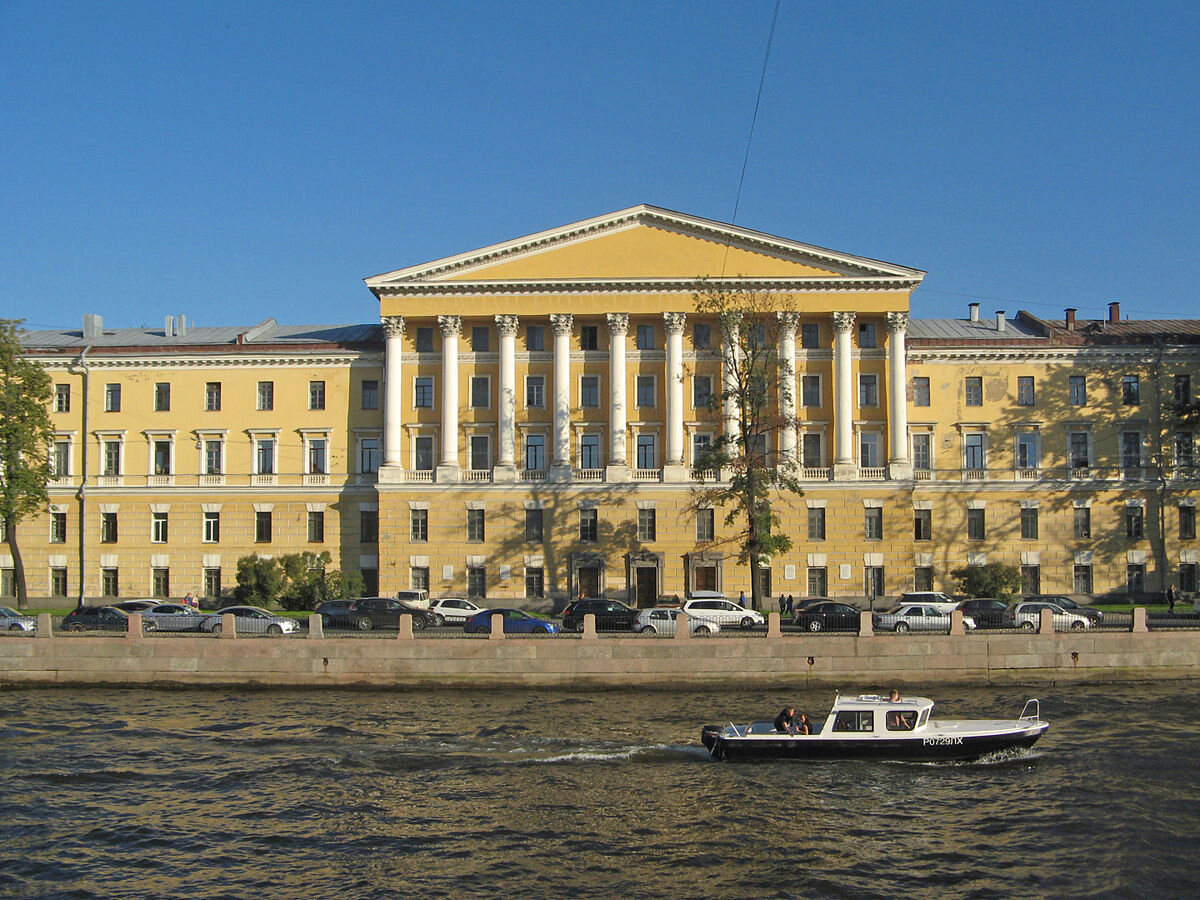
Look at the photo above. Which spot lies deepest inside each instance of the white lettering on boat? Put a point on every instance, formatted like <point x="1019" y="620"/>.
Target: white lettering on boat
<point x="941" y="741"/>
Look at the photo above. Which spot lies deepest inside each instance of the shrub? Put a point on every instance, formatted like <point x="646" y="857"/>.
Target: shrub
<point x="992" y="580"/>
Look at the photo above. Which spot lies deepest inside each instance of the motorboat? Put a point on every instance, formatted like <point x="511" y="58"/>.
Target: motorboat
<point x="871" y="726"/>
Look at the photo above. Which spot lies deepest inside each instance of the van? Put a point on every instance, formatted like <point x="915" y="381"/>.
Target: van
<point x="415" y="599"/>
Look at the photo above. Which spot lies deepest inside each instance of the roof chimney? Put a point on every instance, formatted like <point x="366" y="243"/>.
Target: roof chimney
<point x="1114" y="311"/>
<point x="1070" y="314"/>
<point x="181" y="325"/>
<point x="169" y="326"/>
<point x="974" y="308"/>
<point x="999" y="320"/>
<point x="93" y="326"/>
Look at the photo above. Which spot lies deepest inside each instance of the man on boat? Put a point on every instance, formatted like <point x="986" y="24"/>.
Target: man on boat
<point x="783" y="721"/>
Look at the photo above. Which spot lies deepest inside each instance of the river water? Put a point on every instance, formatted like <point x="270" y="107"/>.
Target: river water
<point x="204" y="793"/>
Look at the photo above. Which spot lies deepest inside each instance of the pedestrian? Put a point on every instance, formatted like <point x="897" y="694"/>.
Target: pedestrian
<point x="791" y="605"/>
<point x="1171" y="599"/>
<point x="782" y="604"/>
<point x="190" y="601"/>
<point x="742" y="598"/>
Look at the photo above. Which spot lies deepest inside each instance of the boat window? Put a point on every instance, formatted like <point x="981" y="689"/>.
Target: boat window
<point x="854" y="721"/>
<point x="924" y="718"/>
<point x="901" y="719"/>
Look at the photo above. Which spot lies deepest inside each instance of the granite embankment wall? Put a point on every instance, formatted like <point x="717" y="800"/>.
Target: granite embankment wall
<point x="604" y="661"/>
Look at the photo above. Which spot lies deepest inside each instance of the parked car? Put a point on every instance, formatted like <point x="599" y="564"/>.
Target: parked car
<point x="663" y="620"/>
<point x="1096" y="615"/>
<point x="516" y="621"/>
<point x="415" y="599"/>
<point x="452" y="610"/>
<point x="135" y="606"/>
<point x="723" y="612"/>
<point x="988" y="612"/>
<point x="367" y="613"/>
<point x="829" y="616"/>
<point x="11" y="620"/>
<point x="610" y="615"/>
<point x="173" y="617"/>
<point x="917" y="617"/>
<point x="251" y="620"/>
<point x="936" y="599"/>
<point x="99" y="618"/>
<point x="1025" y="615"/>
<point x="334" y="613"/>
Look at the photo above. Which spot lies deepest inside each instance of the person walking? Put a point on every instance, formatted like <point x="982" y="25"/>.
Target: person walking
<point x="1171" y="599"/>
<point x="742" y="599"/>
<point x="791" y="605"/>
<point x="782" y="604"/>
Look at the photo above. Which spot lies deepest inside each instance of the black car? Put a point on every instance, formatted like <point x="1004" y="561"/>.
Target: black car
<point x="829" y="616"/>
<point x="99" y="618"/>
<point x="334" y="613"/>
<point x="367" y="613"/>
<point x="988" y="612"/>
<point x="610" y="615"/>
<point x="1096" y="615"/>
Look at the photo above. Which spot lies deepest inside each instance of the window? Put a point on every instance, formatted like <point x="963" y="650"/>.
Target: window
<point x="701" y="391"/>
<point x="1135" y="578"/>
<point x="1078" y="452"/>
<point x="1083" y="522"/>
<point x="58" y="527"/>
<point x="62" y="398"/>
<point x="1029" y="528"/>
<point x="818" y="582"/>
<point x="108" y="528"/>
<point x="111" y="464"/>
<point x="58" y="582"/>
<point x="60" y="459"/>
<point x="701" y="442"/>
<point x="480" y="453"/>
<point x="212" y="582"/>
<point x="423" y="393"/>
<point x="316" y="526"/>
<point x="646" y="456"/>
<point x="866" y="334"/>
<point x="1187" y="523"/>
<point x="922" y="446"/>
<point x="262" y="526"/>
<point x="318" y="456"/>
<point x="1024" y="390"/>
<point x="1131" y="393"/>
<point x="535" y="391"/>
<point x="868" y="391"/>
<point x="589" y="525"/>
<point x="701" y="336"/>
<point x="368" y="526"/>
<point x="810" y="390"/>
<point x="1135" y="522"/>
<point x="162" y="582"/>
<point x="589" y="391"/>
<point x="370" y="394"/>
<point x="589" y="337"/>
<point x="974" y="391"/>
<point x="212" y="396"/>
<point x="1131" y="449"/>
<point x="1083" y="579"/>
<point x="264" y="456"/>
<point x="816" y="523"/>
<point x="1077" y="390"/>
<point x="976" y="525"/>
<point x="810" y="451"/>
<point x="475" y="529"/>
<point x="535" y="337"/>
<point x="212" y="528"/>
<point x="158" y="527"/>
<point x="535" y="583"/>
<point x="868" y="447"/>
<point x="476" y="582"/>
<point x="480" y="392"/>
<point x="1183" y="389"/>
<point x="647" y="524"/>
<point x="923" y="524"/>
<point x="873" y="524"/>
<point x="316" y="395"/>
<point x="705" y="524"/>
<point x="266" y="395"/>
<point x="589" y="451"/>
<point x="1187" y="577"/>
<point x="920" y="391"/>
<point x="810" y="336"/>
<point x="8" y="588"/>
<point x="1027" y="450"/>
<point x="162" y="457"/>
<point x="418" y="525"/>
<point x="923" y="578"/>
<point x="162" y="396"/>
<point x="645" y="391"/>
<point x="418" y="578"/>
<point x="535" y="452"/>
<point x="112" y="398"/>
<point x="110" y="583"/>
<point x="480" y="335"/>
<point x="645" y="337"/>
<point x="423" y="451"/>
<point x="368" y="455"/>
<point x="534" y="525"/>
<point x="1185" y="449"/>
<point x="973" y="455"/>
<point x="424" y="339"/>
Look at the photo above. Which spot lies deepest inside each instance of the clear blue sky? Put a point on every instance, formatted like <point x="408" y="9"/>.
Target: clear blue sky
<point x="233" y="161"/>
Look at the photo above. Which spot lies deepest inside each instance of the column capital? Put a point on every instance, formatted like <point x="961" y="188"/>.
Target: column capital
<point x="789" y="321"/>
<point x="897" y="321"/>
<point x="843" y="321"/>
<point x="674" y="322"/>
<point x="393" y="326"/>
<point x="562" y="323"/>
<point x="618" y="324"/>
<point x="507" y="325"/>
<point x="451" y="326"/>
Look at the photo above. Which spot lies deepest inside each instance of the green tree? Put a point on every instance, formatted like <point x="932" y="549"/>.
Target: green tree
<point x="753" y="393"/>
<point x="25" y="436"/>
<point x="991" y="580"/>
<point x="259" y="581"/>
<point x="307" y="581"/>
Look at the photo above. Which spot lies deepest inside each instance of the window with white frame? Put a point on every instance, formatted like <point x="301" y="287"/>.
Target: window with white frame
<point x="423" y="392"/>
<point x="264" y="456"/>
<point x="645" y="337"/>
<point x="868" y="390"/>
<point x="112" y="397"/>
<point x="62" y="398"/>
<point x="810" y="390"/>
<point x="423" y="453"/>
<point x="1024" y="390"/>
<point x="266" y="395"/>
<point x="920" y="391"/>
<point x="60" y="458"/>
<point x="646" y="456"/>
<point x="701" y="391"/>
<point x="481" y="452"/>
<point x="1079" y="449"/>
<point x="368" y="455"/>
<point x="212" y="396"/>
<point x="867" y="335"/>
<point x="589" y="391"/>
<point x="868" y="447"/>
<point x="812" y="454"/>
<point x="161" y="454"/>
<point x="535" y="452"/>
<point x="705" y="524"/>
<point x="645" y="391"/>
<point x="1185" y="449"/>
<point x="922" y="450"/>
<point x="214" y="456"/>
<point x="318" y="456"/>
<point x="158" y="527"/>
<point x="973" y="386"/>
<point x="1027" y="456"/>
<point x="535" y="391"/>
<point x="110" y="459"/>
<point x="212" y="528"/>
<point x="974" y="450"/>
<point x="481" y="392"/>
<point x="589" y="451"/>
<point x="810" y="335"/>
<point x="316" y="395"/>
<point x="1077" y="390"/>
<point x="700" y="443"/>
<point x="1131" y="449"/>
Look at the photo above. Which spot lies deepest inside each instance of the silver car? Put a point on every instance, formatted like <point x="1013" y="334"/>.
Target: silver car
<point x="917" y="617"/>
<point x="11" y="620"/>
<point x="173" y="617"/>
<point x="251" y="620"/>
<point x="662" y="620"/>
<point x="1026" y="616"/>
<point x="723" y="612"/>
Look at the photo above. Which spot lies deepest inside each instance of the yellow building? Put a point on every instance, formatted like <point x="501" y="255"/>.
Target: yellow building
<point x="579" y="374"/>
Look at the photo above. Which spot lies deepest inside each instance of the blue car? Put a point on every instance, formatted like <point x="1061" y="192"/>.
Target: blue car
<point x="515" y="622"/>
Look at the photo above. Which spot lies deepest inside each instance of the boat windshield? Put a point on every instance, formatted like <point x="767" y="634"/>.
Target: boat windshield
<point x="901" y="720"/>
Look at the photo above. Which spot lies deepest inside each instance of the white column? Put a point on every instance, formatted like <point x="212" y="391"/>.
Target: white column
<point x="618" y="465"/>
<point x="843" y="378"/>
<point x="561" y="467"/>
<point x="788" y="322"/>
<point x="673" y="465"/>
<point x="899" y="462"/>
<point x="506" y="465"/>
<point x="451" y="326"/>
<point x="392" y="469"/>
<point x="730" y="354"/>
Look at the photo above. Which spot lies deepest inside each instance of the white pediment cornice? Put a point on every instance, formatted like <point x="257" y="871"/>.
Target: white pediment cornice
<point x="639" y="286"/>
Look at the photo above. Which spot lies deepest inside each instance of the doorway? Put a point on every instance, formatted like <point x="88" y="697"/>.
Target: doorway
<point x="645" y="586"/>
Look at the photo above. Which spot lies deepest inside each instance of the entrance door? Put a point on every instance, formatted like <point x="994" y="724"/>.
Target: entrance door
<point x="874" y="583"/>
<point x="589" y="581"/>
<point x="705" y="578"/>
<point x="645" y="586"/>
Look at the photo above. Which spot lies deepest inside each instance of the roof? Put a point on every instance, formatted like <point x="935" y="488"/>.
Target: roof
<point x="966" y="330"/>
<point x="266" y="332"/>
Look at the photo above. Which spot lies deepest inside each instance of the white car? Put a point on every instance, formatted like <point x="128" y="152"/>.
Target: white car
<point x="1027" y="615"/>
<point x="452" y="610"/>
<point x="251" y="620"/>
<point x="662" y="620"/>
<point x="917" y="617"/>
<point x="723" y="612"/>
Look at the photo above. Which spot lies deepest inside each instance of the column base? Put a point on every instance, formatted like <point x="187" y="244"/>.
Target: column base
<point x="389" y="474"/>
<point x="843" y="471"/>
<point x="505" y="473"/>
<point x="448" y="474"/>
<point x="900" y="471"/>
<point x="676" y="473"/>
<point x="618" y="473"/>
